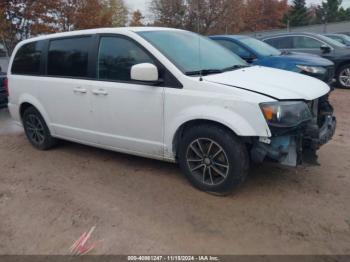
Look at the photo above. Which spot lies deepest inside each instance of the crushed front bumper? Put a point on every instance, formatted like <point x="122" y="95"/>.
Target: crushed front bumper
<point x="315" y="136"/>
<point x="286" y="146"/>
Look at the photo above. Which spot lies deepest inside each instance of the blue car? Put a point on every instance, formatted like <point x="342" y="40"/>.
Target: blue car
<point x="256" y="52"/>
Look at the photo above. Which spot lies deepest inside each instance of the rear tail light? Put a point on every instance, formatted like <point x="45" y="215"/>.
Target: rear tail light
<point x="6" y="86"/>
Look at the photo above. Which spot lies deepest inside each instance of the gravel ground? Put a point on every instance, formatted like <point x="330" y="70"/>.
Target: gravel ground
<point x="141" y="206"/>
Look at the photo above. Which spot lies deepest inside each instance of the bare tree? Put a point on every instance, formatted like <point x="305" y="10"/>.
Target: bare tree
<point x="207" y="16"/>
<point x="136" y="19"/>
<point x="170" y="13"/>
<point x="219" y="16"/>
<point x="264" y="14"/>
<point x="118" y="11"/>
<point x="21" y="19"/>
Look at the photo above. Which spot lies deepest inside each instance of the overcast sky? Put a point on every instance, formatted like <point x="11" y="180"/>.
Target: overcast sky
<point x="143" y="4"/>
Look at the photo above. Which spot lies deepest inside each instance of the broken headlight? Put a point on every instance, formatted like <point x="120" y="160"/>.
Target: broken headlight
<point x="286" y="113"/>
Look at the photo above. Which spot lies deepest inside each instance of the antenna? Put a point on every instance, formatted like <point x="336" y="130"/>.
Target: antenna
<point x="199" y="45"/>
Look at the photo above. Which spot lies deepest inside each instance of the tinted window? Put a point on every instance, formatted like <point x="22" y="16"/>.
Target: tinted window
<point x="69" y="57"/>
<point x="281" y="42"/>
<point x="27" y="59"/>
<point x="117" y="56"/>
<point x="232" y="46"/>
<point x="306" y="42"/>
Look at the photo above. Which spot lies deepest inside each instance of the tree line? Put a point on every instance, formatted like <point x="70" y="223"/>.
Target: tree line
<point x="233" y="16"/>
<point x="330" y="11"/>
<point x="21" y="19"/>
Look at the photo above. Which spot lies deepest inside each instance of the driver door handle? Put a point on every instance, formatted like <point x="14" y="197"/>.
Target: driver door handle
<point x="100" y="92"/>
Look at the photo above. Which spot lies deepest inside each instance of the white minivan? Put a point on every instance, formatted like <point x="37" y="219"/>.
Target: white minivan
<point x="166" y="94"/>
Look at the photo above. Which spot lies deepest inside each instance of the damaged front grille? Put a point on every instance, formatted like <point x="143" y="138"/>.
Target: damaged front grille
<point x="286" y="145"/>
<point x="322" y="127"/>
<point x="320" y="109"/>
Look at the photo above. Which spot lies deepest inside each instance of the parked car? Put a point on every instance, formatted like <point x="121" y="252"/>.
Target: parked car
<point x="341" y="38"/>
<point x="3" y="90"/>
<point x="319" y="45"/>
<point x="166" y="94"/>
<point x="257" y="52"/>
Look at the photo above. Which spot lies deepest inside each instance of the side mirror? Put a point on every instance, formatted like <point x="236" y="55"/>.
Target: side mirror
<point x="249" y="59"/>
<point x="325" y="49"/>
<point x="145" y="72"/>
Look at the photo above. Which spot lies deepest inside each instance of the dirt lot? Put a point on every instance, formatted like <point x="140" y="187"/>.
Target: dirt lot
<point x="141" y="206"/>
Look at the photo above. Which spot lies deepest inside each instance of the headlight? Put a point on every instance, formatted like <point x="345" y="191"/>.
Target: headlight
<point x="286" y="113"/>
<point x="312" y="69"/>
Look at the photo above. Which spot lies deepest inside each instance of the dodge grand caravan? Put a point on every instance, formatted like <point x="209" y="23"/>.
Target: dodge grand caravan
<point x="166" y="94"/>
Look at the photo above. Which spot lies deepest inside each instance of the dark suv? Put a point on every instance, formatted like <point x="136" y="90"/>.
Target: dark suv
<point x="3" y="91"/>
<point x="319" y="45"/>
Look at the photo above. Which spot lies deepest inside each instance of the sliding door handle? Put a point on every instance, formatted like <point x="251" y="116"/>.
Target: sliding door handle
<point x="98" y="92"/>
<point x="80" y="90"/>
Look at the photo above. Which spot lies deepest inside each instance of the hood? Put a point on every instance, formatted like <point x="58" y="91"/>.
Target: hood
<point x="289" y="61"/>
<point x="275" y="83"/>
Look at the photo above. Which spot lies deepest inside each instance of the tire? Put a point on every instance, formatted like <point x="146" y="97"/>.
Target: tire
<point x="343" y="76"/>
<point x="220" y="172"/>
<point x="36" y="130"/>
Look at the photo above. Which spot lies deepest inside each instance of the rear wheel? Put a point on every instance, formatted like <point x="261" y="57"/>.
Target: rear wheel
<point x="36" y="130"/>
<point x="343" y="77"/>
<point x="213" y="159"/>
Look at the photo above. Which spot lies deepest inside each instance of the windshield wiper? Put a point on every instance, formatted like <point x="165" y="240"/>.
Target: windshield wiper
<point x="285" y="52"/>
<point x="234" y="67"/>
<point x="204" y="72"/>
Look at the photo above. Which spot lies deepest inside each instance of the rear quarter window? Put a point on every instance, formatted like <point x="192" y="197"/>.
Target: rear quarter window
<point x="27" y="59"/>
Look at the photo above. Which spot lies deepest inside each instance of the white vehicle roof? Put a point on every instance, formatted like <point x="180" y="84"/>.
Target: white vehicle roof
<point x="109" y="30"/>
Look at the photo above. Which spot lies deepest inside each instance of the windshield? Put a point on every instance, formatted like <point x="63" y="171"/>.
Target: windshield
<point x="346" y="38"/>
<point x="193" y="53"/>
<point x="260" y="47"/>
<point x="339" y="38"/>
<point x="331" y="41"/>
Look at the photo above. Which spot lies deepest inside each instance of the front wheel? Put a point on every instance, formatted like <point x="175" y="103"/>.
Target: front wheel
<point x="213" y="159"/>
<point x="343" y="76"/>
